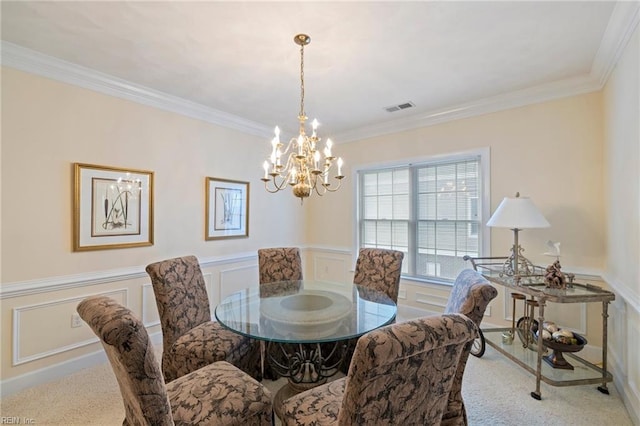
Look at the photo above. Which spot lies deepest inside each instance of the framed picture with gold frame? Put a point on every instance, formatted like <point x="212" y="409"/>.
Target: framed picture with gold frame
<point x="227" y="209"/>
<point x="112" y="207"/>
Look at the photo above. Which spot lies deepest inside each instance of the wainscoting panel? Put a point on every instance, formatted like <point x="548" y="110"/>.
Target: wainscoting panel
<point x="402" y="294"/>
<point x="431" y="301"/>
<point x="235" y="279"/>
<point x="150" y="315"/>
<point x="31" y="322"/>
<point x="631" y="361"/>
<point x="329" y="268"/>
<point x="211" y="292"/>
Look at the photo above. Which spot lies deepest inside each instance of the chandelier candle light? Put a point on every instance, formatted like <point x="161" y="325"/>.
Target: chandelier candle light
<point x="304" y="170"/>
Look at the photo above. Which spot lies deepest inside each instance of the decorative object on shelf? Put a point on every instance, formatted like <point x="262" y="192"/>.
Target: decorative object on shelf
<point x="517" y="213"/>
<point x="559" y="340"/>
<point x="304" y="170"/>
<point x="112" y="207"/>
<point x="554" y="277"/>
<point x="227" y="209"/>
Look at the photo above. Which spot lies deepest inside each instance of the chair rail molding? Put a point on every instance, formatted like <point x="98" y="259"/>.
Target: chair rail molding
<point x="46" y="285"/>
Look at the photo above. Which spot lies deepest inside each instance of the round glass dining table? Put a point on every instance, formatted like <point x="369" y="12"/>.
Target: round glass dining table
<point x="305" y="325"/>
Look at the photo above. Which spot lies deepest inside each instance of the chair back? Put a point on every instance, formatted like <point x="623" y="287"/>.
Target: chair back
<point x="470" y="295"/>
<point x="181" y="297"/>
<point x="402" y="373"/>
<point x="126" y="342"/>
<point x="379" y="269"/>
<point x="279" y="264"/>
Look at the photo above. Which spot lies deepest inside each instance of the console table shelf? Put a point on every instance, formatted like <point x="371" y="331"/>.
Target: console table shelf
<point x="584" y="372"/>
<point x="530" y="358"/>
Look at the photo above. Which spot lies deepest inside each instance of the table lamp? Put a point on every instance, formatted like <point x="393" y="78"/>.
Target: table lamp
<point x="517" y="213"/>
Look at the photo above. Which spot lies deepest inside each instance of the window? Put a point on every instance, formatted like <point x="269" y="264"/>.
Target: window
<point x="431" y="211"/>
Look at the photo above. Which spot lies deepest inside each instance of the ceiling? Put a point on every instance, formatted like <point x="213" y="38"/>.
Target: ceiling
<point x="235" y="63"/>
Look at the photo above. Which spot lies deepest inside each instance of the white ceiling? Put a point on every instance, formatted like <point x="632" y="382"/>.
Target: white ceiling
<point x="237" y="62"/>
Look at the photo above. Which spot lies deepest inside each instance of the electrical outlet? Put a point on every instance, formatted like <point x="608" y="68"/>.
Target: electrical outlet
<point x="76" y="321"/>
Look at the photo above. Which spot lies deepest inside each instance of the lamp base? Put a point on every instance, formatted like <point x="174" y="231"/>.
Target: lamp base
<point x="517" y="264"/>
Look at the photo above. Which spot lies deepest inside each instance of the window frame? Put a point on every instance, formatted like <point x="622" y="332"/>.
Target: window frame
<point x="484" y="199"/>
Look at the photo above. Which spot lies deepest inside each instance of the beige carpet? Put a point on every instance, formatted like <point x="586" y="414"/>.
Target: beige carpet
<point x="496" y="392"/>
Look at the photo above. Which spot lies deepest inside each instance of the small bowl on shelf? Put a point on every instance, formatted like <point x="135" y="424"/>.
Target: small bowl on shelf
<point x="555" y="359"/>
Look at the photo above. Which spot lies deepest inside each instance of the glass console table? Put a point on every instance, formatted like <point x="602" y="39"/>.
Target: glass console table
<point x="534" y="287"/>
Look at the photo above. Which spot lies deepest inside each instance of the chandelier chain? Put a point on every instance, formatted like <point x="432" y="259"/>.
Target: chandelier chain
<point x="302" y="81"/>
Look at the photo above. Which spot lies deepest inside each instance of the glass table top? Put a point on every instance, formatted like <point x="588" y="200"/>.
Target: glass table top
<point x="305" y="311"/>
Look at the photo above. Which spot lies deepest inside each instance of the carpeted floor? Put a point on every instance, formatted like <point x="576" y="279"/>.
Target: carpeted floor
<point x="496" y="392"/>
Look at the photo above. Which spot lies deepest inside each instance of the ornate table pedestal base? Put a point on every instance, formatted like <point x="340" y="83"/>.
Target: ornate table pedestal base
<point x="305" y="367"/>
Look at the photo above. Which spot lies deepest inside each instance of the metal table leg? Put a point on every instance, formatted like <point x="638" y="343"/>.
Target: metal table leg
<point x="536" y="394"/>
<point x="605" y="314"/>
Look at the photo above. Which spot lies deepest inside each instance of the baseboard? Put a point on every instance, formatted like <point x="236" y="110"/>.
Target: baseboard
<point x="58" y="371"/>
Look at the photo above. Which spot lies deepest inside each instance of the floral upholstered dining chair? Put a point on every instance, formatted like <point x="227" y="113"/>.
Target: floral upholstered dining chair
<point x="376" y="269"/>
<point x="190" y="339"/>
<point x="470" y="295"/>
<point x="380" y="270"/>
<point x="400" y="374"/>
<point x="279" y="264"/>
<point x="216" y="394"/>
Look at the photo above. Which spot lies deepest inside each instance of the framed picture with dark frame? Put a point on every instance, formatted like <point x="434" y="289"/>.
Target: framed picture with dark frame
<point x="112" y="207"/>
<point x="227" y="209"/>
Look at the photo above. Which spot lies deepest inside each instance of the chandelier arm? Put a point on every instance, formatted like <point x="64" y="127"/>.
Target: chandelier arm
<point x="290" y="145"/>
<point x="277" y="188"/>
<point x="317" y="191"/>
<point x="270" y="190"/>
<point x="333" y="189"/>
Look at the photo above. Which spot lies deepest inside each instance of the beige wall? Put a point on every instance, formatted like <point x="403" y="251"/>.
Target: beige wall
<point x="47" y="126"/>
<point x="551" y="152"/>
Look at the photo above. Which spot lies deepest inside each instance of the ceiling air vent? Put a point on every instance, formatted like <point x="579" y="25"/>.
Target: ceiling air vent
<point x="400" y="106"/>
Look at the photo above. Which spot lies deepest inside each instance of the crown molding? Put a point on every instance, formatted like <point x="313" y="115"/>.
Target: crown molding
<point x="622" y="24"/>
<point x="30" y="61"/>
<point x="555" y="90"/>
<point x="624" y="20"/>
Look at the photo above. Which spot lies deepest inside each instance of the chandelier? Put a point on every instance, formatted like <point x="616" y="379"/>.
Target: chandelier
<point x="303" y="170"/>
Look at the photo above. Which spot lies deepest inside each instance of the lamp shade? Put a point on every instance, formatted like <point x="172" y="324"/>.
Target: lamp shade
<point x="517" y="213"/>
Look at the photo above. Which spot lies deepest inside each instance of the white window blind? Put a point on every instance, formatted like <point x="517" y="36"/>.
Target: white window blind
<point x="430" y="211"/>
